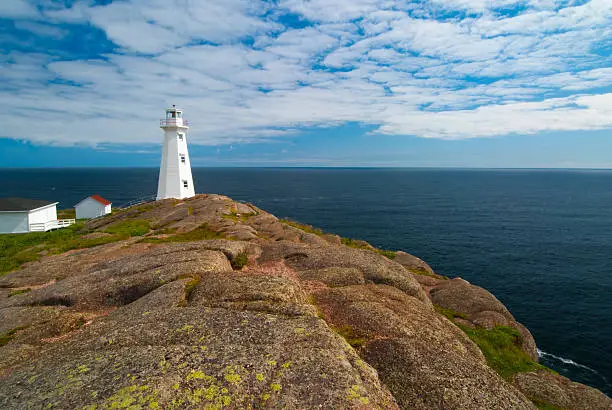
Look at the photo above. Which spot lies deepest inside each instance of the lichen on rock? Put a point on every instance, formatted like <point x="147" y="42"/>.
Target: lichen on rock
<point x="219" y="304"/>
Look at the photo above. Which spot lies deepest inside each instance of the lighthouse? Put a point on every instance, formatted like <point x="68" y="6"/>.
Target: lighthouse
<point x="175" y="180"/>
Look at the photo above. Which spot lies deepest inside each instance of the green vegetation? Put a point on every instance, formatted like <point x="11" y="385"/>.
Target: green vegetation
<point x="190" y="286"/>
<point x="545" y="406"/>
<point x="201" y="233"/>
<point x="501" y="348"/>
<point x="425" y="272"/>
<point x="449" y="313"/>
<point x="303" y="227"/>
<point x="353" y="243"/>
<point x="357" y="244"/>
<point x="129" y="228"/>
<point x="235" y="216"/>
<point x="19" y="292"/>
<point x="165" y="231"/>
<point x="240" y="261"/>
<point x="386" y="253"/>
<point x="8" y="336"/>
<point x="17" y="249"/>
<point x="349" y="335"/>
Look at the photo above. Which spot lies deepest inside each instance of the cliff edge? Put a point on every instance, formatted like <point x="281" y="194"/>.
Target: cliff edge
<point x="211" y="303"/>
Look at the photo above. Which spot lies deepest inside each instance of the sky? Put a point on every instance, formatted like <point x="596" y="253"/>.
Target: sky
<point x="435" y="83"/>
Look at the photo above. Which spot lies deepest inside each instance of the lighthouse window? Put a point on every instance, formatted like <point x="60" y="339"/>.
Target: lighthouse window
<point x="185" y="184"/>
<point x="180" y="136"/>
<point x="182" y="158"/>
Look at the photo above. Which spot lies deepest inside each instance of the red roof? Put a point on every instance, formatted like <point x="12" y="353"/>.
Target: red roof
<point x="100" y="199"/>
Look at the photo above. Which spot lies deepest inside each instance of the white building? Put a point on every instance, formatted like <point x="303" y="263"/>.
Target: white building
<point x="21" y="215"/>
<point x="175" y="180"/>
<point x="92" y="207"/>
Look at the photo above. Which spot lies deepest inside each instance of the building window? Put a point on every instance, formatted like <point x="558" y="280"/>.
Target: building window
<point x="185" y="184"/>
<point x="182" y="158"/>
<point x="181" y="136"/>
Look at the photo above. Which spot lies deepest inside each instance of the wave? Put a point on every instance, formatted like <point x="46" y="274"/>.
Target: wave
<point x="570" y="362"/>
<point x="566" y="361"/>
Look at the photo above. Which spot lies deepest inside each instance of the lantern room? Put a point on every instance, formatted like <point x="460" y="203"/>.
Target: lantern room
<point x="174" y="118"/>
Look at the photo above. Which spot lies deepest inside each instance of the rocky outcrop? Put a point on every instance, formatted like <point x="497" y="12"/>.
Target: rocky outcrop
<point x="480" y="308"/>
<point x="221" y="305"/>
<point x="413" y="264"/>
<point x="546" y="387"/>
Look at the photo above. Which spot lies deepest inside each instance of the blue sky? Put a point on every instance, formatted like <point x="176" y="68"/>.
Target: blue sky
<point x="466" y="83"/>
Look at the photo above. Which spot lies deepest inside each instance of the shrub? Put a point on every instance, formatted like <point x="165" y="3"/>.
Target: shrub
<point x="240" y="261"/>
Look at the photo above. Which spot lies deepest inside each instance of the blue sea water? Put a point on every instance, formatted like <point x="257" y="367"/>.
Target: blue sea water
<point x="540" y="240"/>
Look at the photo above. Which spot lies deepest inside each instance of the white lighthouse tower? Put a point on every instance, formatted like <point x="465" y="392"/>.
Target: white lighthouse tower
<point x="175" y="180"/>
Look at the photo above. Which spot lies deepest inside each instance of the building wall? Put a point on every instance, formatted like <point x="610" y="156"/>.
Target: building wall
<point x="173" y="172"/>
<point x="14" y="222"/>
<point x="90" y="208"/>
<point x="43" y="215"/>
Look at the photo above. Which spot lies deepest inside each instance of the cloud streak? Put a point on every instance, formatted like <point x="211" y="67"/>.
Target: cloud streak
<point x="247" y="71"/>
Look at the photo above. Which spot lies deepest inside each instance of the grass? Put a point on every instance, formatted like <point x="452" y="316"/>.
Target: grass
<point x="388" y="254"/>
<point x="353" y="243"/>
<point x="8" y="336"/>
<point x="201" y="233"/>
<point x="357" y="244"/>
<point x="501" y="347"/>
<point x="166" y="231"/>
<point x="425" y="272"/>
<point x="235" y="216"/>
<point x="303" y="227"/>
<point x="190" y="287"/>
<point x="17" y="249"/>
<point x="545" y="406"/>
<point x="449" y="313"/>
<point x="240" y="261"/>
<point x="129" y="228"/>
<point x="19" y="292"/>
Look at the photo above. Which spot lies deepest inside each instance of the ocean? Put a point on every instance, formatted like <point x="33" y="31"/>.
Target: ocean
<point x="540" y="240"/>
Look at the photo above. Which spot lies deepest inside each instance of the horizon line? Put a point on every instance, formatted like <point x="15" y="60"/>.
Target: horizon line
<point x="315" y="167"/>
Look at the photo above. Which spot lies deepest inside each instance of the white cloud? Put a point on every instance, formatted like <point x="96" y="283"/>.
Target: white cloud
<point x="390" y="64"/>
<point x="17" y="9"/>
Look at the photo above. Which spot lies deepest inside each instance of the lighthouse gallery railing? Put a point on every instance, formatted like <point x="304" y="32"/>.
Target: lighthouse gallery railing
<point x="173" y="121"/>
